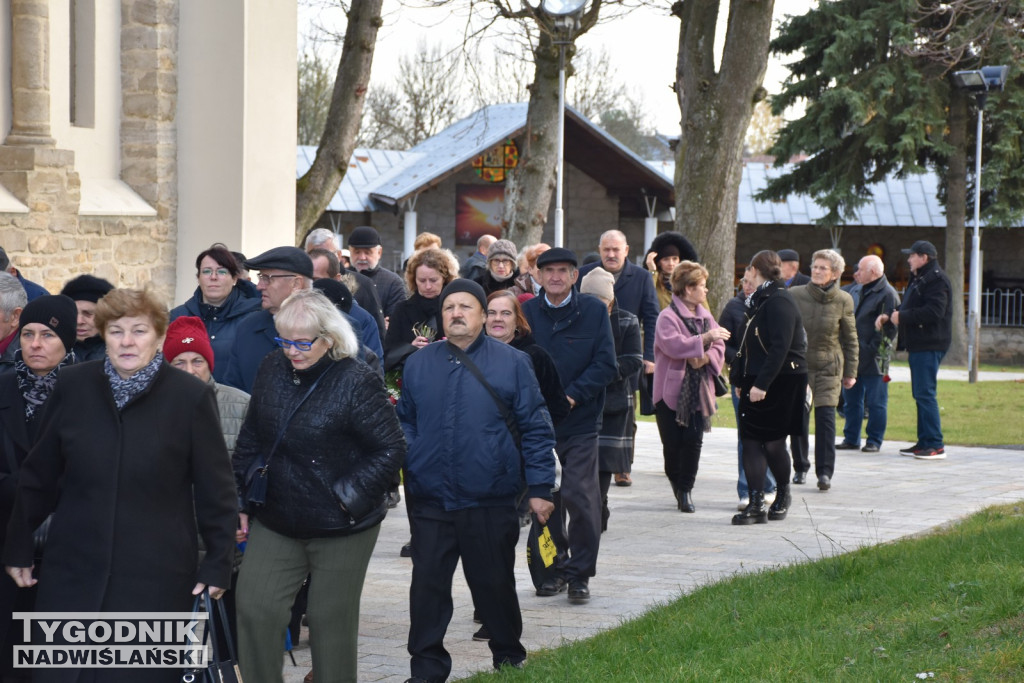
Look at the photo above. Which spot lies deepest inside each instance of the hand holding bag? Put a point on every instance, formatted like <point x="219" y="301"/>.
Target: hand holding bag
<point x="218" y="669"/>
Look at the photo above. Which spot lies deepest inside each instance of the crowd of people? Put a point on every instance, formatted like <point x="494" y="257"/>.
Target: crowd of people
<point x="249" y="442"/>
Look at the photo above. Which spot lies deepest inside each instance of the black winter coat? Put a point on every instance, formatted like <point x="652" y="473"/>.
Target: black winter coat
<point x="221" y="323"/>
<point x="926" y="314"/>
<point x="133" y="484"/>
<point x="415" y="310"/>
<point x="875" y="298"/>
<point x="774" y="342"/>
<point x="338" y="455"/>
<point x="547" y="376"/>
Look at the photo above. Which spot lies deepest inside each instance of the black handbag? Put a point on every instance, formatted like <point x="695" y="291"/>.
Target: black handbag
<point x="256" y="476"/>
<point x="546" y="549"/>
<point x="218" y="669"/>
<point x="721" y="388"/>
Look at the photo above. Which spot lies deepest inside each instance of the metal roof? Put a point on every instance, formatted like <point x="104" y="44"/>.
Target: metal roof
<point x="366" y="166"/>
<point x="911" y="201"/>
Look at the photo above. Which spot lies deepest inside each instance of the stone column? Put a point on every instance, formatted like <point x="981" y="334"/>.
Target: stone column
<point x="30" y="73"/>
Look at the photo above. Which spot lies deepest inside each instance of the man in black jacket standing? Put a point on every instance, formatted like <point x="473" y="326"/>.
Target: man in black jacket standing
<point x="364" y="244"/>
<point x="875" y="297"/>
<point x="575" y="329"/>
<point x="925" y="322"/>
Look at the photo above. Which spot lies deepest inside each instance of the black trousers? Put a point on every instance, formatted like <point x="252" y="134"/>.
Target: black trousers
<point x="799" y="445"/>
<point x="824" y="443"/>
<point x="485" y="539"/>
<point x="581" y="503"/>
<point x="681" y="447"/>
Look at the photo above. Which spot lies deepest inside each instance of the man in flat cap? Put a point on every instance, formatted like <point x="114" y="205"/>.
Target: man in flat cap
<point x="925" y="329"/>
<point x="575" y="329"/>
<point x="365" y="247"/>
<point x="283" y="270"/>
<point x="791" y="268"/>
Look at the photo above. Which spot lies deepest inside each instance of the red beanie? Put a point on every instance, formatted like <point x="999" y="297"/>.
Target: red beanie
<point x="187" y="333"/>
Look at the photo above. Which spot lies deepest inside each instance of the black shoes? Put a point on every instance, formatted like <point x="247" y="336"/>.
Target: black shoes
<point x="579" y="592"/>
<point x="779" y="508"/>
<point x="843" y="446"/>
<point x="406" y="550"/>
<point x="394" y="498"/>
<point x="482" y="636"/>
<point x="685" y="500"/>
<point x="755" y="512"/>
<point x="870" y="448"/>
<point x="910" y="450"/>
<point x="824" y="482"/>
<point x="799" y="477"/>
<point x="552" y="587"/>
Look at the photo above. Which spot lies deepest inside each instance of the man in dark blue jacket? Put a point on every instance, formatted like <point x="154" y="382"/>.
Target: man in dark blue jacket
<point x="464" y="471"/>
<point x="925" y="323"/>
<point x="574" y="328"/>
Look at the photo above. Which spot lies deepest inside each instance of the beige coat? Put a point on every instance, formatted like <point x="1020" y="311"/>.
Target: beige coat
<point x="832" y="347"/>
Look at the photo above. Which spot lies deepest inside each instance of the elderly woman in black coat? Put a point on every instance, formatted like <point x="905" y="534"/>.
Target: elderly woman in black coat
<point x="321" y="427"/>
<point x="134" y="448"/>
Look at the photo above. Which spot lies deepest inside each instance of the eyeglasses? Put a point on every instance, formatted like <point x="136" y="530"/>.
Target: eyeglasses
<point x="265" y="279"/>
<point x="300" y="345"/>
<point x="221" y="272"/>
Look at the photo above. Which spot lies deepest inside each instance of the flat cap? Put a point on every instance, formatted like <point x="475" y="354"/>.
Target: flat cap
<point x="364" y="236"/>
<point x="292" y="259"/>
<point x="923" y="247"/>
<point x="788" y="255"/>
<point x="556" y="255"/>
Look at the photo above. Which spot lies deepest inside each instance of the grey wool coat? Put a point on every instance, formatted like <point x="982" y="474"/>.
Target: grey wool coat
<point x="832" y="347"/>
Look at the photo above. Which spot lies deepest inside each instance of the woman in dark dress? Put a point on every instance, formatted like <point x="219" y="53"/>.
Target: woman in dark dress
<point x="769" y="375"/>
<point x="135" y="451"/>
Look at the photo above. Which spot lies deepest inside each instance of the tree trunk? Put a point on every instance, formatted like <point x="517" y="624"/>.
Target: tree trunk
<point x="528" y="197"/>
<point x="315" y="189"/>
<point x="956" y="211"/>
<point x="716" y="109"/>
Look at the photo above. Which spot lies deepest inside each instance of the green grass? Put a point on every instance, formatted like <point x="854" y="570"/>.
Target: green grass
<point x="947" y="603"/>
<point x="981" y="414"/>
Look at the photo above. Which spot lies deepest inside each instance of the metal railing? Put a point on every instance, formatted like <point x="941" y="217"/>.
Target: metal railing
<point x="1001" y="307"/>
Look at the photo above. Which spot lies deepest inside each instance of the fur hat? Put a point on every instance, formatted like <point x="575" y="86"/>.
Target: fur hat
<point x="86" y="288"/>
<point x="673" y="243"/>
<point x="187" y="333"/>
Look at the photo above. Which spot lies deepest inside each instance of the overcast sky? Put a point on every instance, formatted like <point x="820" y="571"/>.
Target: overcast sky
<point x="642" y="45"/>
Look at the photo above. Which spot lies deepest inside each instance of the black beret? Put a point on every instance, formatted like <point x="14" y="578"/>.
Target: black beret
<point x="464" y="285"/>
<point x="336" y="291"/>
<point x="556" y="255"/>
<point x="292" y="259"/>
<point x="364" y="236"/>
<point x="86" y="288"/>
<point x="788" y="255"/>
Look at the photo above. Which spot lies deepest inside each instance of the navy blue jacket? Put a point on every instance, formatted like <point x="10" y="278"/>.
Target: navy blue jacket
<point x="579" y="338"/>
<point x="634" y="292"/>
<point x="221" y="323"/>
<point x="461" y="453"/>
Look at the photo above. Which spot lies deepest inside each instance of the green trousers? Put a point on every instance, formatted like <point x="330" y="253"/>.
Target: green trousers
<point x="272" y="572"/>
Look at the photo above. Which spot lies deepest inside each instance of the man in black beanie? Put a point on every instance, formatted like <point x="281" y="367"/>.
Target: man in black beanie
<point x="85" y="291"/>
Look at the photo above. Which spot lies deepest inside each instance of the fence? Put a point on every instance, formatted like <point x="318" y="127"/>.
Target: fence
<point x="1001" y="307"/>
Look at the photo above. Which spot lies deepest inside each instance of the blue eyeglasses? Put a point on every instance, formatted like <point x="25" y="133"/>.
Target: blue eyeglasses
<point x="300" y="345"/>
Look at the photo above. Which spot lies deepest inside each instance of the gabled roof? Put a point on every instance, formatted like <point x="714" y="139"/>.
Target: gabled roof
<point x="377" y="178"/>
<point x="911" y="201"/>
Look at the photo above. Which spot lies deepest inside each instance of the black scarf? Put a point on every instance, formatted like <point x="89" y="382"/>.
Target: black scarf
<point x="35" y="389"/>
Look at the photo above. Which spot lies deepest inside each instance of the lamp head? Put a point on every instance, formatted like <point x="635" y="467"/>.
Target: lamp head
<point x="985" y="79"/>
<point x="561" y="8"/>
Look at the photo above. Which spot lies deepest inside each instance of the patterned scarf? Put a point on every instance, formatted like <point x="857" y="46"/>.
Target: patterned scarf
<point x="694" y="395"/>
<point x="127" y="389"/>
<point x="35" y="389"/>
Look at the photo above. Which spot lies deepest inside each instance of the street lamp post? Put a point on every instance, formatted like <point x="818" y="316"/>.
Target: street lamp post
<point x="566" y="16"/>
<point x="979" y="82"/>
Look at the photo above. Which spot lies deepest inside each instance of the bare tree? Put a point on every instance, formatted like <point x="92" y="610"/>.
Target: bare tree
<point x="316" y="85"/>
<point x="716" y="108"/>
<point x="763" y="129"/>
<point x="315" y="189"/>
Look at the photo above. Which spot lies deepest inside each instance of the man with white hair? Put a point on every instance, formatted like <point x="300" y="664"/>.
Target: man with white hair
<point x="12" y="301"/>
<point x="362" y="287"/>
<point x="877" y="297"/>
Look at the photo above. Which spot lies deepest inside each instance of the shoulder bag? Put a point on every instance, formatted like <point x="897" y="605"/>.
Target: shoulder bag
<point x="502" y="408"/>
<point x="721" y="388"/>
<point x="256" y="475"/>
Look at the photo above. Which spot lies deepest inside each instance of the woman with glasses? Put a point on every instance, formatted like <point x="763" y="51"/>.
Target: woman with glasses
<point x="321" y="426"/>
<point x="218" y="302"/>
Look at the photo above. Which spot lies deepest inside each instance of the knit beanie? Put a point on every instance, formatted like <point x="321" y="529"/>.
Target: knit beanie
<point x="464" y="285"/>
<point x="188" y="333"/>
<point x="505" y="249"/>
<point x="86" y="288"/>
<point x="57" y="312"/>
<point x="600" y="283"/>
<point x="337" y="292"/>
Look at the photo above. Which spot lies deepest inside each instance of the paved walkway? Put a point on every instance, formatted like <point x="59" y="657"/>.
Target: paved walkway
<point x="651" y="553"/>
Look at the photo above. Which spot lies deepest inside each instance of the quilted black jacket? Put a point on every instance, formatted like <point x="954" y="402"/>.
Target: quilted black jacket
<point x="339" y="453"/>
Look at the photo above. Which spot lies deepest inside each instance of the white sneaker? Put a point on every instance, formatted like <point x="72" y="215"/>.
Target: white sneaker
<point x="769" y="498"/>
<point x="744" y="502"/>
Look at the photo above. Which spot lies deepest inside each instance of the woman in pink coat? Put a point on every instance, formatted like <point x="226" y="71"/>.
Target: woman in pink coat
<point x="689" y="350"/>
